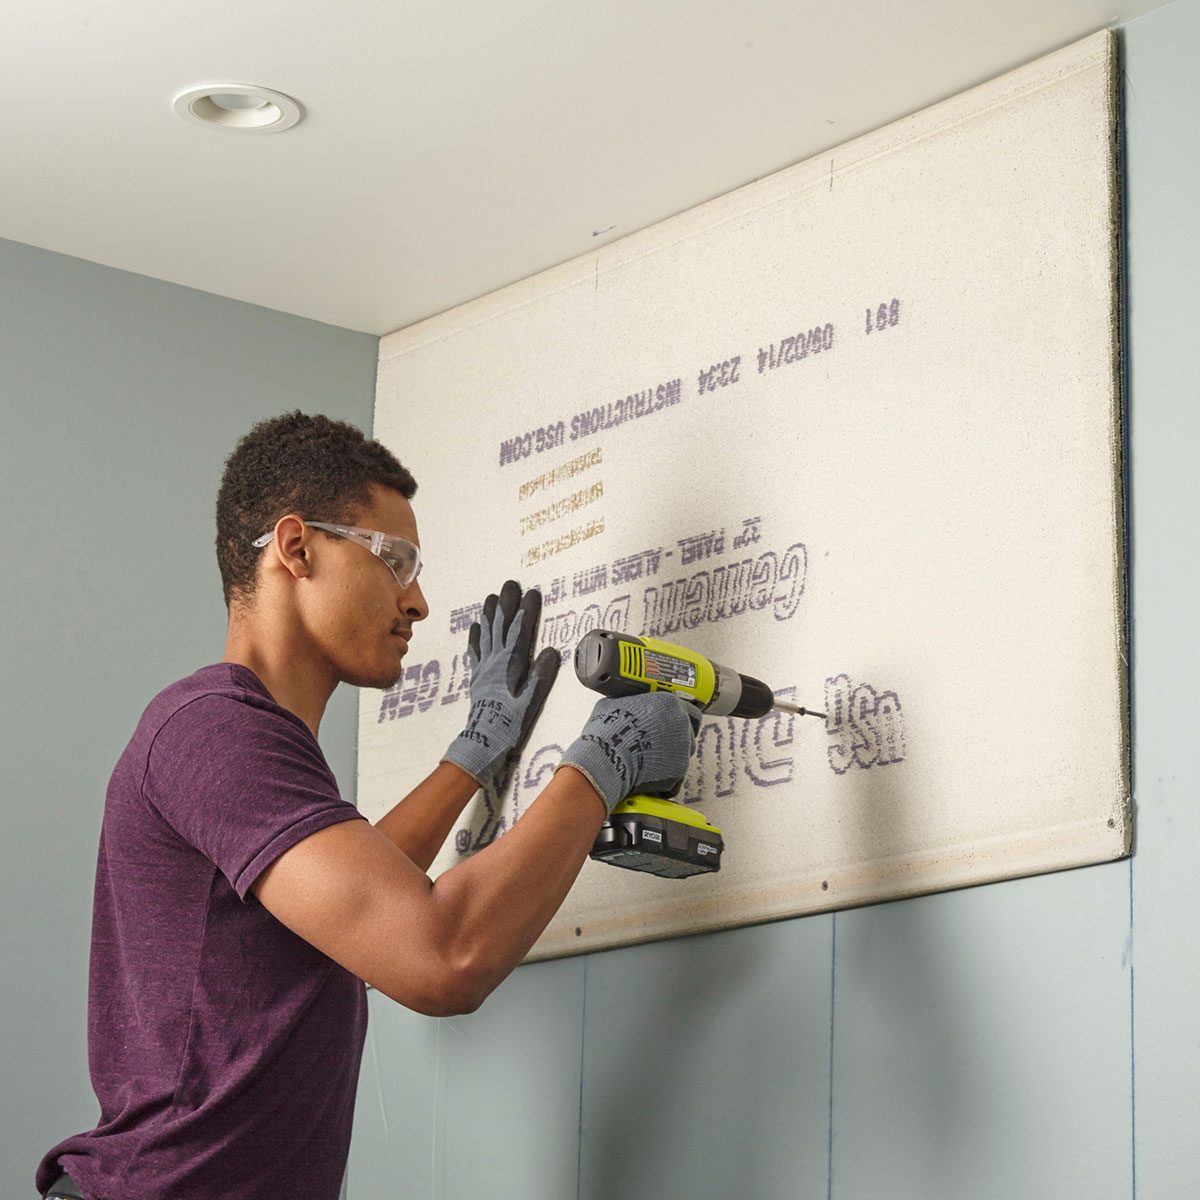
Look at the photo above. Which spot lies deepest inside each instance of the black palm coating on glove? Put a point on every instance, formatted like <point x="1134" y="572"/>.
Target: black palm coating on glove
<point x="510" y="602"/>
<point x="526" y="682"/>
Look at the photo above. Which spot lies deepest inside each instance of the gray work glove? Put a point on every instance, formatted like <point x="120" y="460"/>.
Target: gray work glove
<point x="507" y="691"/>
<point x="635" y="744"/>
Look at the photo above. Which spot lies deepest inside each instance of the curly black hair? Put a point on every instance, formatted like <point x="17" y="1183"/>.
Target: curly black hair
<point x="314" y="466"/>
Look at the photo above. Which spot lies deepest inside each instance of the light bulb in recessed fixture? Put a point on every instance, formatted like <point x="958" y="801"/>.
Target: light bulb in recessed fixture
<point x="239" y="106"/>
<point x="233" y="102"/>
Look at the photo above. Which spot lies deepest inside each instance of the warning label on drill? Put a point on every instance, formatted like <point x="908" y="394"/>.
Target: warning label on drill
<point x="666" y="668"/>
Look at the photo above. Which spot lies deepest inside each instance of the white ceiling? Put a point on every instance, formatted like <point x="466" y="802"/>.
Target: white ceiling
<point x="450" y="149"/>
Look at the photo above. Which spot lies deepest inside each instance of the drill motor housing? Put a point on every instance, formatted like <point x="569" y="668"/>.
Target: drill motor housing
<point x="619" y="664"/>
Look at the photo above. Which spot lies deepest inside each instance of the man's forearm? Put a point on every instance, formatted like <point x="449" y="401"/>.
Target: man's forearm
<point x="501" y="899"/>
<point x="420" y="823"/>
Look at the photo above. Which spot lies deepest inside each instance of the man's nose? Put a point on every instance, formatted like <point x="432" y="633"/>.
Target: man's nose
<point x="412" y="602"/>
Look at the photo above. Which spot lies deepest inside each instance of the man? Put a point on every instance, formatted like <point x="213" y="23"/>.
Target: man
<point x="241" y="904"/>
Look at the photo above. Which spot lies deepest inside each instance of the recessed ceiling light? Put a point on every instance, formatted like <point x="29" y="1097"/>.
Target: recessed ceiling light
<point x="239" y="106"/>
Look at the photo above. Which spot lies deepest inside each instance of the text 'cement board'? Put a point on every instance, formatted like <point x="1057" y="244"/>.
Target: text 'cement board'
<point x="854" y="430"/>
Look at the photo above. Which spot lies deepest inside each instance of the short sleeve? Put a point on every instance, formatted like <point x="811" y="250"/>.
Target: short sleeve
<point x="241" y="784"/>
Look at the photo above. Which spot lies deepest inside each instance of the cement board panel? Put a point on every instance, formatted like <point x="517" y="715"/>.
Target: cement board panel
<point x="854" y="429"/>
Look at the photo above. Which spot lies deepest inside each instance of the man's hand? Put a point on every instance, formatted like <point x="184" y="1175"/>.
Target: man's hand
<point x="507" y="690"/>
<point x="635" y="744"/>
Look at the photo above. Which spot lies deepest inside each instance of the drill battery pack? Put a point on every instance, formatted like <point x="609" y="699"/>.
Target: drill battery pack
<point x="659" y="837"/>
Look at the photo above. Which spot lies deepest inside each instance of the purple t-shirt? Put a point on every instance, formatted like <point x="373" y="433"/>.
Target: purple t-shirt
<point x="224" y="1049"/>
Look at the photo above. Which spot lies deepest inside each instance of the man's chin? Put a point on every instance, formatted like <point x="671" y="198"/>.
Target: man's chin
<point x="381" y="678"/>
<point x="390" y="679"/>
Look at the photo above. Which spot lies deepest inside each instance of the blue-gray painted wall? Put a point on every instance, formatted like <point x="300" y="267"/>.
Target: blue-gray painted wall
<point x="1031" y="1039"/>
<point x="987" y="1044"/>
<point x="120" y="397"/>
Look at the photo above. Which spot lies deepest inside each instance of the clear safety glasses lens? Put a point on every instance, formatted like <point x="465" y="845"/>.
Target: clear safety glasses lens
<point x="404" y="559"/>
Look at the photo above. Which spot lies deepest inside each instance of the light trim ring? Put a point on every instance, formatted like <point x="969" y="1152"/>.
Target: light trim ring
<point x="273" y="113"/>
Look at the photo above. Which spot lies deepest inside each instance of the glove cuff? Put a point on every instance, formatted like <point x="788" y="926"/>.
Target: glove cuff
<point x="484" y="746"/>
<point x="595" y="760"/>
<point x="454" y="754"/>
<point x="479" y="761"/>
<point x="587" y="775"/>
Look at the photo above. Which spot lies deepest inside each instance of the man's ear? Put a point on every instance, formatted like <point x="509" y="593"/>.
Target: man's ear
<point x="290" y="545"/>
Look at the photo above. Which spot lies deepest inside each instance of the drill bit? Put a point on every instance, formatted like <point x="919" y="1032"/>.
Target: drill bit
<point x="786" y="706"/>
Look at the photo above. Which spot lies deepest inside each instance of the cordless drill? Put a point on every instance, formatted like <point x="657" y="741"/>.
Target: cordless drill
<point x="653" y="833"/>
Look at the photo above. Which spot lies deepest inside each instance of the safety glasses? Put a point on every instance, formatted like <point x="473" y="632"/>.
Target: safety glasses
<point x="402" y="557"/>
